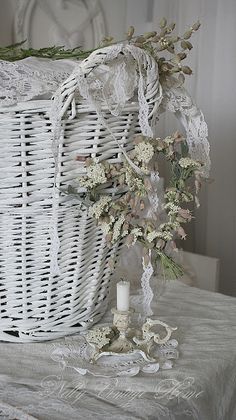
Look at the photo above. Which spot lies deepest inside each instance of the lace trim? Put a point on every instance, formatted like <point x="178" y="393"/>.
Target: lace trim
<point x="178" y="101"/>
<point x="29" y="78"/>
<point x="146" y="288"/>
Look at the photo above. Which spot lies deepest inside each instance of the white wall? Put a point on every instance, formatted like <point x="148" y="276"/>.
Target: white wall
<point x="213" y="85"/>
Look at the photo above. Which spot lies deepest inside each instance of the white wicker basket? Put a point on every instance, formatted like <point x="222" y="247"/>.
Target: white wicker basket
<point x="34" y="304"/>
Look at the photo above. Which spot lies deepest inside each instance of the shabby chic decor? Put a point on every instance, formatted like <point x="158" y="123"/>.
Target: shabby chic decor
<point x="79" y="171"/>
<point x="121" y="339"/>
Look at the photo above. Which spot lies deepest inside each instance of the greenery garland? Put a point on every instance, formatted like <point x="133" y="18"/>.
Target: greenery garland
<point x="155" y="42"/>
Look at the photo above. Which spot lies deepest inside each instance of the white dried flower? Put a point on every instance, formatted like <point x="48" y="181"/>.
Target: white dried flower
<point x="189" y="163"/>
<point x="96" y="173"/>
<point x="124" y="233"/>
<point x="97" y="208"/>
<point x="135" y="184"/>
<point x="152" y="235"/>
<point x="136" y="232"/>
<point x="171" y="195"/>
<point x="117" y="228"/>
<point x="186" y="197"/>
<point x="169" y="140"/>
<point x="144" y="152"/>
<point x="99" y="336"/>
<point x="173" y="208"/>
<point x="167" y="236"/>
<point x="105" y="227"/>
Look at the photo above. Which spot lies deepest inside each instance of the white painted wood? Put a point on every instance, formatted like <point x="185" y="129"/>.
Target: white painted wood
<point x="70" y="23"/>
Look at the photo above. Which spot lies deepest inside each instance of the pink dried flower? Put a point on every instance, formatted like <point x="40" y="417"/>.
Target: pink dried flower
<point x="185" y="214"/>
<point x="181" y="232"/>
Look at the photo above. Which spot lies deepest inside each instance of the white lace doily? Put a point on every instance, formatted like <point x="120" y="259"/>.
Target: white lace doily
<point x="76" y="355"/>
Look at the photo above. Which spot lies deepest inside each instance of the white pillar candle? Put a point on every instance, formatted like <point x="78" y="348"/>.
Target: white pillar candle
<point x="123" y="288"/>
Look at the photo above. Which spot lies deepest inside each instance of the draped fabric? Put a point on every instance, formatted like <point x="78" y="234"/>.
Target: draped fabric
<point x="200" y="386"/>
<point x="212" y="85"/>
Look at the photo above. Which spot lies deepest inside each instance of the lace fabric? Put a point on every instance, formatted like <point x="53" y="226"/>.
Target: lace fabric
<point x="146" y="288"/>
<point x="179" y="102"/>
<point x="32" y="382"/>
<point x="76" y="355"/>
<point x="30" y="78"/>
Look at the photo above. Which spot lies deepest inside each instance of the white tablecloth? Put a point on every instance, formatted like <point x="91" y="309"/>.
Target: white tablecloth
<point x="201" y="385"/>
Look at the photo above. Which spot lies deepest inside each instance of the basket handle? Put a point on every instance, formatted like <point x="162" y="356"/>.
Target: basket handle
<point x="149" y="86"/>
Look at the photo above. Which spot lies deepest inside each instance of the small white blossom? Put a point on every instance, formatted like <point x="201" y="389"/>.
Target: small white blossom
<point x="134" y="183"/>
<point x="97" y="209"/>
<point x="168" y="226"/>
<point x="171" y="195"/>
<point x="189" y="163"/>
<point x="95" y="175"/>
<point x="105" y="228"/>
<point x="167" y="236"/>
<point x="136" y="232"/>
<point x="152" y="235"/>
<point x="172" y="207"/>
<point x="117" y="228"/>
<point x="144" y="152"/>
<point x="186" y="197"/>
<point x="169" y="140"/>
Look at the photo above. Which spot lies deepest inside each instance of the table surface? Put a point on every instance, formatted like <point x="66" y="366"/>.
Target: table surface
<point x="201" y="385"/>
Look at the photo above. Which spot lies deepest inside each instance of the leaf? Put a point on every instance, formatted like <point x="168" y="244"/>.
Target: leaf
<point x="171" y="27"/>
<point x="181" y="78"/>
<point x="173" y="39"/>
<point x="130" y="33"/>
<point x="182" y="55"/>
<point x="16" y="45"/>
<point x="189" y="45"/>
<point x="163" y="22"/>
<point x="171" y="49"/>
<point x="140" y="40"/>
<point x="175" y="59"/>
<point x="148" y="35"/>
<point x="196" y="25"/>
<point x="187" y="34"/>
<point x="187" y="70"/>
<point x="184" y="45"/>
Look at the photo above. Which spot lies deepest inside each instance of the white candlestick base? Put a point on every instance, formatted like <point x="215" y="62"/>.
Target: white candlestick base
<point x="122" y="340"/>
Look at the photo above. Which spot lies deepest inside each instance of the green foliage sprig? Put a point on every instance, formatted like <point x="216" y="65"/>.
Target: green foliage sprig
<point x="16" y="52"/>
<point x="155" y="42"/>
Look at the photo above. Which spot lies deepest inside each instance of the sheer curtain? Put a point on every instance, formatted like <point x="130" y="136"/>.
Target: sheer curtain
<point x="213" y="60"/>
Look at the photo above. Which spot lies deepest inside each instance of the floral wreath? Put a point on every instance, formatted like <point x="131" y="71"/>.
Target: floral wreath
<point x="123" y="216"/>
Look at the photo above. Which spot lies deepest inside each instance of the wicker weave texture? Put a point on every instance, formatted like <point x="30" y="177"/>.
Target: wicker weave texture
<point x="35" y="305"/>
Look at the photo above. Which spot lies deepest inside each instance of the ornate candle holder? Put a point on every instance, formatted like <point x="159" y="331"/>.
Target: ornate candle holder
<point x="121" y="339"/>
